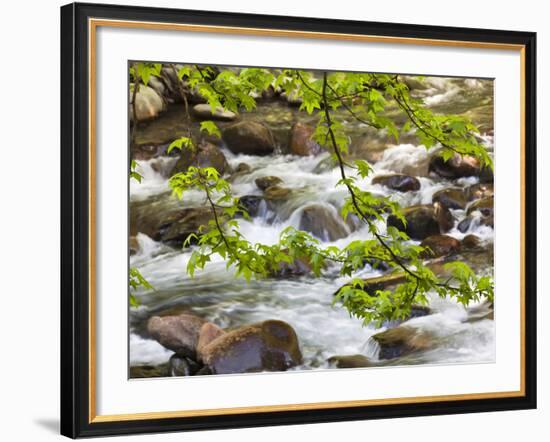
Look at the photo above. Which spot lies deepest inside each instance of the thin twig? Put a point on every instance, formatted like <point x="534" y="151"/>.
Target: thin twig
<point x="364" y="217"/>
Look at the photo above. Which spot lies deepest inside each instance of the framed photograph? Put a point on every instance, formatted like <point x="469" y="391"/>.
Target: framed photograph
<point x="275" y="220"/>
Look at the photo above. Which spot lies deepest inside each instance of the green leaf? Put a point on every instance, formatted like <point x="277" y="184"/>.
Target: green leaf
<point x="211" y="128"/>
<point x="181" y="143"/>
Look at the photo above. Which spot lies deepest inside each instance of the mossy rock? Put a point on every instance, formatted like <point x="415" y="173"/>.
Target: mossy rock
<point x="351" y="361"/>
<point x="451" y="198"/>
<point x="150" y="371"/>
<point x="423" y="221"/>
<point x="267" y="181"/>
<point x="401" y="341"/>
<point x="398" y="181"/>
<point x="250" y="138"/>
<point x="267" y="346"/>
<point x="439" y="245"/>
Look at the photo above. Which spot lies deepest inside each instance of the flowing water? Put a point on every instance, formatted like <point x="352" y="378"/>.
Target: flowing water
<point x="305" y="302"/>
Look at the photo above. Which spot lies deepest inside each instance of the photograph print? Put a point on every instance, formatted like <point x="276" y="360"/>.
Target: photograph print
<point x="285" y="220"/>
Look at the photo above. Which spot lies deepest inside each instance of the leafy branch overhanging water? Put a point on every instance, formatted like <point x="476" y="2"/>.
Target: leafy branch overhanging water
<point x="366" y="98"/>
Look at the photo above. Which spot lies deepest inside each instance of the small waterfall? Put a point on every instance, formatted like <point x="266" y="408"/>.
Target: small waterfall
<point x="371" y="349"/>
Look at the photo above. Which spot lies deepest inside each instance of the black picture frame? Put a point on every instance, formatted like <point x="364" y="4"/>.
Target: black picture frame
<point x="75" y="220"/>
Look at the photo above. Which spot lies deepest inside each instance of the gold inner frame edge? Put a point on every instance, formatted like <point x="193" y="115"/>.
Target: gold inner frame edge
<point x="93" y="24"/>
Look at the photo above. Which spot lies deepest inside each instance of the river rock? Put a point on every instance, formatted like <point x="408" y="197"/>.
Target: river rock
<point x="423" y="221"/>
<point x="267" y="181"/>
<point x="157" y="84"/>
<point x="177" y="333"/>
<point x="401" y="341"/>
<point x="451" y="198"/>
<point x="266" y="346"/>
<point x="384" y="282"/>
<point x="208" y="332"/>
<point x="293" y="99"/>
<point x="479" y="312"/>
<point x="301" y="142"/>
<point x="149" y="104"/>
<point x="162" y="218"/>
<point x="276" y="193"/>
<point x="298" y="267"/>
<point x="133" y="245"/>
<point x="398" y="181"/>
<point x="370" y="147"/>
<point x="471" y="242"/>
<point x="270" y="93"/>
<point x="250" y="138"/>
<point x="171" y="82"/>
<point x="480" y="190"/>
<point x="207" y="155"/>
<point x="483" y="205"/>
<point x="439" y="245"/>
<point x="457" y="166"/>
<point x="150" y="371"/>
<point x="187" y="221"/>
<point x="324" y="222"/>
<point x="465" y="225"/>
<point x="204" y="112"/>
<point x="254" y="205"/>
<point x="181" y="366"/>
<point x="243" y="168"/>
<point x="350" y="361"/>
<point x="257" y="205"/>
<point x="486" y="175"/>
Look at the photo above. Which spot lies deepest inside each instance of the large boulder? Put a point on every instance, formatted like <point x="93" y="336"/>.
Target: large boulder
<point x="301" y="142"/>
<point x="149" y="104"/>
<point x="457" y="166"/>
<point x="277" y="193"/>
<point x="451" y="198"/>
<point x="398" y="181"/>
<point x="177" y="333"/>
<point x="324" y="222"/>
<point x="188" y="221"/>
<point x="250" y="138"/>
<point x="401" y="341"/>
<point x="267" y="346"/>
<point x="208" y="332"/>
<point x="439" y="245"/>
<point x="206" y="155"/>
<point x="204" y="112"/>
<point x="162" y="218"/>
<point x="157" y="84"/>
<point x="423" y="221"/>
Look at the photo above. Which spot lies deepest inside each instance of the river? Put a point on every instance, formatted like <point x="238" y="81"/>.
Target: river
<point x="305" y="302"/>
